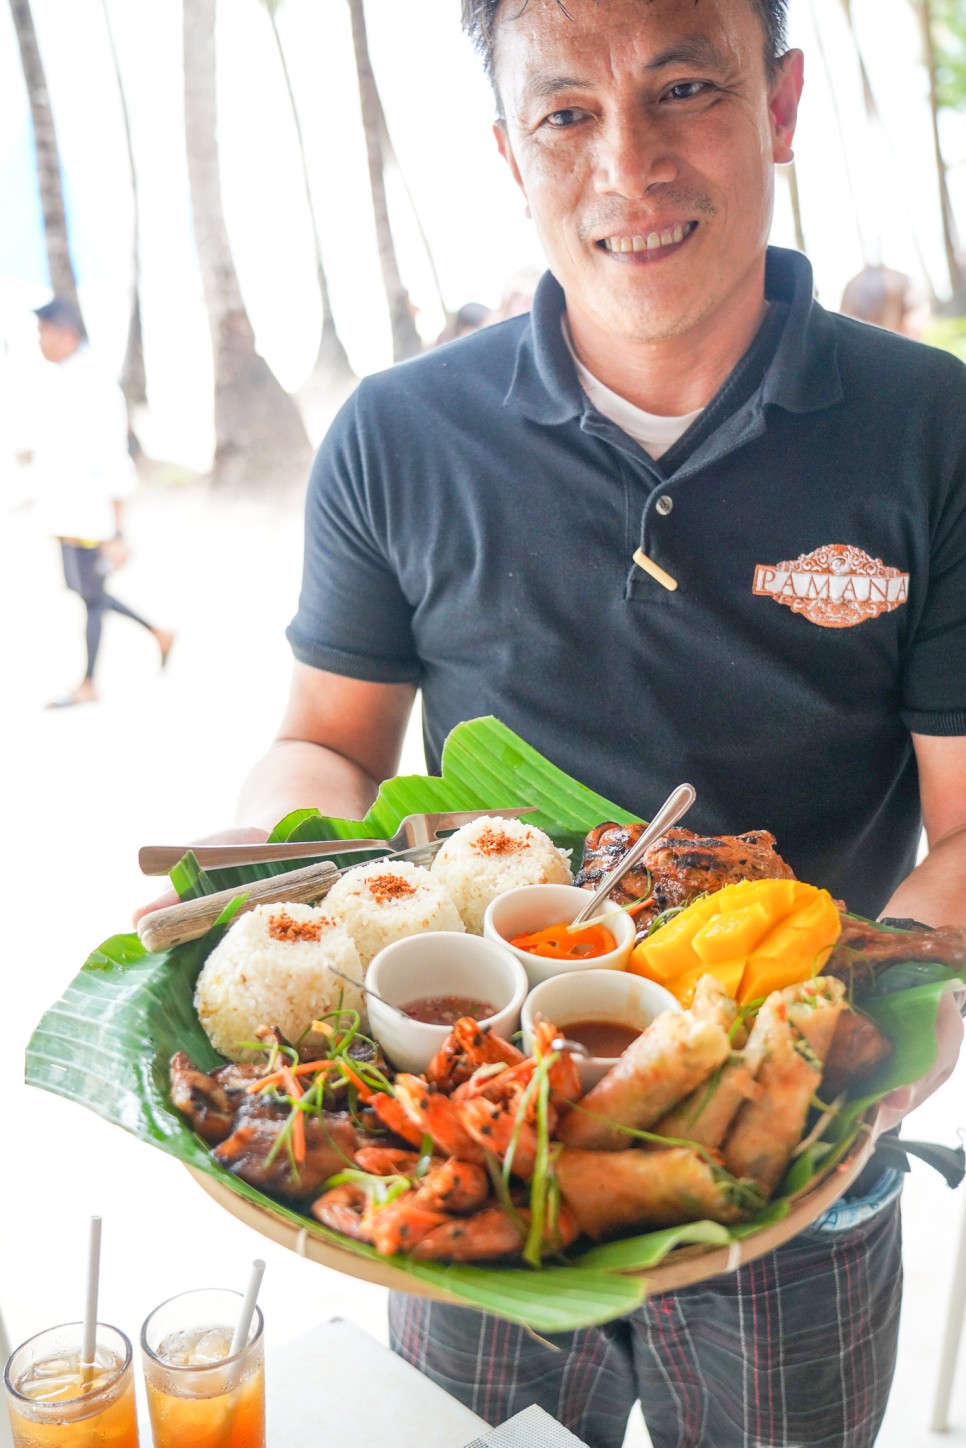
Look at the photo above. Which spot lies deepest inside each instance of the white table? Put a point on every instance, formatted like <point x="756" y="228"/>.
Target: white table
<point x="336" y="1384"/>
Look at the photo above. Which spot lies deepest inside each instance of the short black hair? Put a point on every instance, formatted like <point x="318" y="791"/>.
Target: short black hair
<point x="479" y="22"/>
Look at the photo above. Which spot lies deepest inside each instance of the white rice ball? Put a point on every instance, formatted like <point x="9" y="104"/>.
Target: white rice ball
<point x="272" y="969"/>
<point x="490" y="856"/>
<point x="387" y="900"/>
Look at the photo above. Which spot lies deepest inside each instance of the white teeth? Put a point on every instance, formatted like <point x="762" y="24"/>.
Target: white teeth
<point x="652" y="241"/>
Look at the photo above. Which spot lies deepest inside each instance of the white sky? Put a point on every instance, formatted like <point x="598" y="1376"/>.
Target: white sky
<point x="439" y="111"/>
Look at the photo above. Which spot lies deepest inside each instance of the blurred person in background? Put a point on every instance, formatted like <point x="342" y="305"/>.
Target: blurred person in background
<point x="886" y="298"/>
<point x="84" y="474"/>
<point x="469" y="318"/>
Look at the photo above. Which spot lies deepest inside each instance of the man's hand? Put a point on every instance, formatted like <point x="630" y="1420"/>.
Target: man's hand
<point x="241" y="835"/>
<point x="949" y="1036"/>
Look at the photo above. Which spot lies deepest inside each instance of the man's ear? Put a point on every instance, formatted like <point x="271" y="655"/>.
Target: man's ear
<point x="783" y="104"/>
<point x="506" y="151"/>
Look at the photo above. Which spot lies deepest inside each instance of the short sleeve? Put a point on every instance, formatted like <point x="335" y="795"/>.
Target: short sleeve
<point x="352" y="617"/>
<point x="934" y="673"/>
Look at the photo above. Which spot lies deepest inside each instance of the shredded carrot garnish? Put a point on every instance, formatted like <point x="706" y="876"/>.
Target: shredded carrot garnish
<point x="298" y="1136"/>
<point x="291" y="1085"/>
<point x="273" y="1079"/>
<point x="638" y="906"/>
<point x="364" y="1091"/>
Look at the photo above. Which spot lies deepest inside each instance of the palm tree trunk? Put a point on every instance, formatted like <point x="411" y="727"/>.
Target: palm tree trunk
<point x="259" y="436"/>
<point x="331" y="357"/>
<point x="59" y="262"/>
<point x="957" y="270"/>
<point x="405" y="339"/>
<point x="391" y="159"/>
<point x="875" y="118"/>
<point x="132" y="379"/>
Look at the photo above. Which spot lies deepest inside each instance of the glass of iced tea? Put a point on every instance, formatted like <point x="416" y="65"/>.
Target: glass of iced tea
<point x="199" y="1392"/>
<point x="57" y="1401"/>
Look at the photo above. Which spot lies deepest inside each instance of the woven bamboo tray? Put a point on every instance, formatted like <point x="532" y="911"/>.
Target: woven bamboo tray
<point x="683" y="1267"/>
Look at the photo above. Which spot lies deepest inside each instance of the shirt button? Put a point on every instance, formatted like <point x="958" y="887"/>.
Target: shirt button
<point x="664" y="505"/>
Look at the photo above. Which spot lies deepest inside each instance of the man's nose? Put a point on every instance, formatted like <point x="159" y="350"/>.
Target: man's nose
<point x="632" y="157"/>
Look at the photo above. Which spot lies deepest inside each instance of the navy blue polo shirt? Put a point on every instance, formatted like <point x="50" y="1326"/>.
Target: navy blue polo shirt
<point x="471" y="526"/>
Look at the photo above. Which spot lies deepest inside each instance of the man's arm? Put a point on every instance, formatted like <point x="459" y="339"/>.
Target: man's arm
<point x="935" y="893"/>
<point x="338" y="740"/>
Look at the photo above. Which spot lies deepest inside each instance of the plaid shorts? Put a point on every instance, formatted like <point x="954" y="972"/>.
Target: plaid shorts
<point x="797" y="1348"/>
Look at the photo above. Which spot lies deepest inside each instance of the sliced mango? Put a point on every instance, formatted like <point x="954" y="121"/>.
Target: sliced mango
<point x="729" y="972"/>
<point x="755" y="936"/>
<point x="735" y="932"/>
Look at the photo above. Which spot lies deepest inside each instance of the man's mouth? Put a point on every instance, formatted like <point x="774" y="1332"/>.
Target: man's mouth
<point x="651" y="241"/>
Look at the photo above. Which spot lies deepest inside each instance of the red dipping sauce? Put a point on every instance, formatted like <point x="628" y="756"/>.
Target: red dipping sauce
<point x="446" y="1010"/>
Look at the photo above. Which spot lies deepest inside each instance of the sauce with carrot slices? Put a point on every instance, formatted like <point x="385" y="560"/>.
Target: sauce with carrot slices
<point x="556" y="942"/>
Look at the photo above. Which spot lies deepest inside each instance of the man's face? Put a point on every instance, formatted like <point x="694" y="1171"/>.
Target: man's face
<point x="643" y="134"/>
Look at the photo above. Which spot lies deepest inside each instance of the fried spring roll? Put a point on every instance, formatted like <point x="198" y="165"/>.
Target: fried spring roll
<point x="814" y="1008"/>
<point x="619" y="1191"/>
<point x="767" y="1131"/>
<point x="667" y="1061"/>
<point x="705" y="1115"/>
<point x="711" y="1002"/>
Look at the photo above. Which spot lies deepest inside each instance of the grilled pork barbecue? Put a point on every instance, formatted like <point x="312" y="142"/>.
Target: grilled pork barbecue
<point x="678" y="866"/>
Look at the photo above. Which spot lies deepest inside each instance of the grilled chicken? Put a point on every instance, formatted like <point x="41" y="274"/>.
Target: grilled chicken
<point x="678" y="866"/>
<point x="244" y="1129"/>
<point x="254" y="1152"/>
<point x="210" y="1100"/>
<point x="865" y="950"/>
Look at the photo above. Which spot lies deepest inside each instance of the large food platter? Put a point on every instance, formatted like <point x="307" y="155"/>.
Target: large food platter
<point x="107" y="1042"/>
<point x="683" y="1266"/>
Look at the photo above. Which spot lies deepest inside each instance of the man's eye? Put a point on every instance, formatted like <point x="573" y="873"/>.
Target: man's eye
<point x="561" y="119"/>
<point x="686" y="90"/>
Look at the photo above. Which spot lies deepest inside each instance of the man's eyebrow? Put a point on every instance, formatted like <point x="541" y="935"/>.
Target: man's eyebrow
<point x="697" y="50"/>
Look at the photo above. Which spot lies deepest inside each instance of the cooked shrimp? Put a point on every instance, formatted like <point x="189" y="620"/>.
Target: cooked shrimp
<point x="467" y="1047"/>
<point x="453" y="1186"/>
<point x="392" y="1115"/>
<point x="489" y="1234"/>
<point x="399" y="1225"/>
<point x="343" y="1209"/>
<point x="439" y="1116"/>
<point x="386" y="1160"/>
<point x="499" y="1128"/>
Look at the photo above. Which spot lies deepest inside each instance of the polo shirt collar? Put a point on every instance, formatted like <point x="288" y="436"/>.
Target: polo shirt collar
<point x="803" y="375"/>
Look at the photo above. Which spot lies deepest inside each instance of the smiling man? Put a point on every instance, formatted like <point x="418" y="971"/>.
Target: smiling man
<point x="678" y="523"/>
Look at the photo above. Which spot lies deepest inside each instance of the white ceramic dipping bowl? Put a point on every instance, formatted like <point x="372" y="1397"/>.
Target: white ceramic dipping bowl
<point x="533" y="907"/>
<point x="440" y="963"/>
<point x="596" y="995"/>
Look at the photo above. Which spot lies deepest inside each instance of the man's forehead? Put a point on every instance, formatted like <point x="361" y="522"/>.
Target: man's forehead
<point x="650" y="22"/>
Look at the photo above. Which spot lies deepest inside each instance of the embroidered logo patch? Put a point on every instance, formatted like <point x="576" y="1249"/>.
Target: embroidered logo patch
<point x="837" y="586"/>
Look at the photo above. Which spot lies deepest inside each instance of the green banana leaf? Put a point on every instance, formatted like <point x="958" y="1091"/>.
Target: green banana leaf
<point x="107" y="1042"/>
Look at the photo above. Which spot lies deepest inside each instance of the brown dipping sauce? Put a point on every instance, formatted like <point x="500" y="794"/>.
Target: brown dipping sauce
<point x="445" y="1010"/>
<point x="601" y="1038"/>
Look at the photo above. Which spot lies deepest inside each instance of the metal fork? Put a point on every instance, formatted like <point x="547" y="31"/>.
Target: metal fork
<point x="415" y="829"/>
<point x="175" y="924"/>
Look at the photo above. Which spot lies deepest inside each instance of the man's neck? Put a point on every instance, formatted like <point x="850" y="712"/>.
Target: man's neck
<point x="679" y="374"/>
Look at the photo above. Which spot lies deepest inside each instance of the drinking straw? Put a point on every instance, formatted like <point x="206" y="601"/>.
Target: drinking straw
<point x="247" y="1308"/>
<point x="89" y="1335"/>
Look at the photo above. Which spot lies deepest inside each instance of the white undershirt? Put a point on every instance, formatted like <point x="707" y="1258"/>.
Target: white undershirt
<point x="654" y="433"/>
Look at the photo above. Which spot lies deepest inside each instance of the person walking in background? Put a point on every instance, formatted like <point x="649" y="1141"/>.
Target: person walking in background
<point x="886" y="298"/>
<point x="85" y="473"/>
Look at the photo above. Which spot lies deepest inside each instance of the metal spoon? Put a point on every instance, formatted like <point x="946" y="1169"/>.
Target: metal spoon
<point x="361" y="985"/>
<point x="678" y="802"/>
